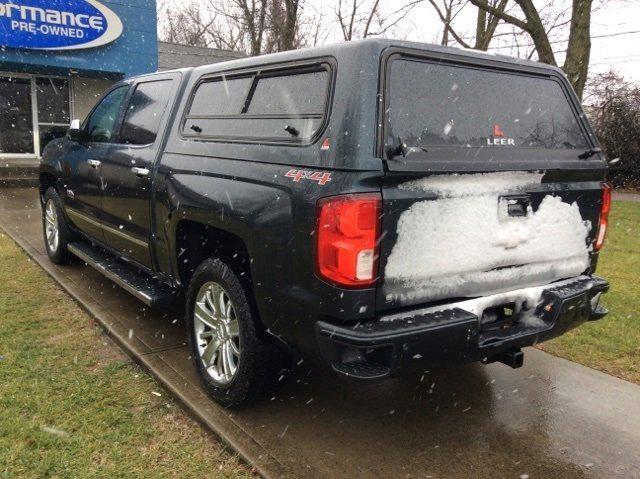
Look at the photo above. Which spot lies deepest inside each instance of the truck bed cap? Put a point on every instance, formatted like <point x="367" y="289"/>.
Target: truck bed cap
<point x="368" y="46"/>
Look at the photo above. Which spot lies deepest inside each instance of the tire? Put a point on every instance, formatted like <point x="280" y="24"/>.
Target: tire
<point x="56" y="232"/>
<point x="248" y="366"/>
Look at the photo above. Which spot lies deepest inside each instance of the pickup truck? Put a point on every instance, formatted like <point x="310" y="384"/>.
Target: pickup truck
<point x="383" y="206"/>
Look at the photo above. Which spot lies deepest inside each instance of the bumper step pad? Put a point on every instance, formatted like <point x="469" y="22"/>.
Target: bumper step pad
<point x="426" y="339"/>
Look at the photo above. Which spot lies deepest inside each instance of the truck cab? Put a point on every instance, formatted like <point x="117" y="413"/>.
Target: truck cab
<point x="382" y="206"/>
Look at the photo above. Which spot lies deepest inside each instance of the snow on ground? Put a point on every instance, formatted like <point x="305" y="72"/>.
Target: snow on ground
<point x="464" y="243"/>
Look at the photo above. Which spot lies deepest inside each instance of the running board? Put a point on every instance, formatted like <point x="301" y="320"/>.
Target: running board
<point x="139" y="284"/>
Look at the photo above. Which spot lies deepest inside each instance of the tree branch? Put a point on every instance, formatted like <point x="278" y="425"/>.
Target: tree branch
<point x="502" y="15"/>
<point x="447" y="25"/>
<point x="374" y="9"/>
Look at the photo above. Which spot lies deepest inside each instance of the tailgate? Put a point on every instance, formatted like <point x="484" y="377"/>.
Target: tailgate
<point x="464" y="235"/>
<point x="492" y="180"/>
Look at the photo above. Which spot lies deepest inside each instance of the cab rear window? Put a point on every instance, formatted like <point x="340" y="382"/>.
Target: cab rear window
<point x="438" y="105"/>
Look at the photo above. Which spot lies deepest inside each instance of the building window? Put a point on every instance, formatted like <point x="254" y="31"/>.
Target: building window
<point x="16" y="116"/>
<point x="53" y="108"/>
<point x="33" y="111"/>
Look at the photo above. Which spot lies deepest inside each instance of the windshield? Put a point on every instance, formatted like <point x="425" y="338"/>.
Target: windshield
<point x="433" y="104"/>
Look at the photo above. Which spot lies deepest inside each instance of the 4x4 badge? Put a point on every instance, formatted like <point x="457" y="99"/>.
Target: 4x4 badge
<point x="321" y="177"/>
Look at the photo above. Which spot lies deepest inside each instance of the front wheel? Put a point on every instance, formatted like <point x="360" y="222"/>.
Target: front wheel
<point x="57" y="234"/>
<point x="235" y="360"/>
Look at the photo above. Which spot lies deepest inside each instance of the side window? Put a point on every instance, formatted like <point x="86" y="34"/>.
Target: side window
<point x="302" y="94"/>
<point x="101" y="124"/>
<point x="285" y="106"/>
<point x="144" y="112"/>
<point x="221" y="97"/>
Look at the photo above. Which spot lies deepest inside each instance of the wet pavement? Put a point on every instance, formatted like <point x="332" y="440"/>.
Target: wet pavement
<point x="550" y="419"/>
<point x="626" y="196"/>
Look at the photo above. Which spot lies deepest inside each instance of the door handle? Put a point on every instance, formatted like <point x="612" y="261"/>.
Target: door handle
<point x="140" y="171"/>
<point x="94" y="163"/>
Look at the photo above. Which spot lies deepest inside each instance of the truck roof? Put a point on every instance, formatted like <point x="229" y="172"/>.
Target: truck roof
<point x="369" y="46"/>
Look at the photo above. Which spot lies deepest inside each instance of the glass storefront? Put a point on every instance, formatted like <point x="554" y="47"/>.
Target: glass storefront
<point x="16" y="116"/>
<point x="33" y="111"/>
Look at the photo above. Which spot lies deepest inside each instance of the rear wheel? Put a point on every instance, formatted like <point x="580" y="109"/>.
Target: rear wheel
<point x="235" y="360"/>
<point x="57" y="234"/>
<point x="216" y="325"/>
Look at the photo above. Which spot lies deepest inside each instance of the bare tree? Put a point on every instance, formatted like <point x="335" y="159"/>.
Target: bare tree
<point x="613" y="105"/>
<point x="350" y="19"/>
<point x="361" y="19"/>
<point x="253" y="26"/>
<point x="284" y="24"/>
<point x="486" y="23"/>
<point x="312" y="29"/>
<point x="576" y="64"/>
<point x="200" y="25"/>
<point x="250" y="16"/>
<point x="447" y="10"/>
<point x="227" y="34"/>
<point x="184" y="26"/>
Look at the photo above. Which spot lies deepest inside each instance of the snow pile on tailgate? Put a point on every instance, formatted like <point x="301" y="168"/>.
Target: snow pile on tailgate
<point x="465" y="244"/>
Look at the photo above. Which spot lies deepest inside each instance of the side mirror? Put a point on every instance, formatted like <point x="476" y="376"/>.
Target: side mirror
<point x="76" y="133"/>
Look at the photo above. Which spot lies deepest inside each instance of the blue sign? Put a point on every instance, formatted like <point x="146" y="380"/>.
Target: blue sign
<point x="57" y="24"/>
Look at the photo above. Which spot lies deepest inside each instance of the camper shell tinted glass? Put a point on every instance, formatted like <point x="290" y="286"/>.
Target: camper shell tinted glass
<point x="287" y="105"/>
<point x="436" y="107"/>
<point x="220" y="96"/>
<point x="299" y="94"/>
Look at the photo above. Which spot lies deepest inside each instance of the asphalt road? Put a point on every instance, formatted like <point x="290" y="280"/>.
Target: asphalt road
<point x="550" y="419"/>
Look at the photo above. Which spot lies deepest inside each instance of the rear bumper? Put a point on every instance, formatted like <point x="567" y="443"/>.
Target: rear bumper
<point x="432" y="337"/>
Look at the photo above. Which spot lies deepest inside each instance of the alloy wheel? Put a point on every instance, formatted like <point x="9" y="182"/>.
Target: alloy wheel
<point x="217" y="332"/>
<point x="52" y="229"/>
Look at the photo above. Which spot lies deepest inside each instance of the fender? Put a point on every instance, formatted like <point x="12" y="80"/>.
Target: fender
<point x="259" y="215"/>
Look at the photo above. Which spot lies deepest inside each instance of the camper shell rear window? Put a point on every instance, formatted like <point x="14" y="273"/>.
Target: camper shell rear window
<point x="434" y="105"/>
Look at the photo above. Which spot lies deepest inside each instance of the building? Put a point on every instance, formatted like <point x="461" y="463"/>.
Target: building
<point x="57" y="57"/>
<point x="173" y="55"/>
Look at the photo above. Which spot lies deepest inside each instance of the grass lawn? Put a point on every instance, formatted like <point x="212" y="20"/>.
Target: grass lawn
<point x="613" y="343"/>
<point x="72" y="405"/>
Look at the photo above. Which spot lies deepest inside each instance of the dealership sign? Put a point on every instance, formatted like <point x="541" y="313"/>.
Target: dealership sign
<point x="57" y="24"/>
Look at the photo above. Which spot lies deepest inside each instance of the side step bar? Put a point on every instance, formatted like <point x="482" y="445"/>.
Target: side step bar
<point x="124" y="275"/>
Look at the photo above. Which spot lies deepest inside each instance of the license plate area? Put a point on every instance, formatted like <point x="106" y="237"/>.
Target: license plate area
<point x="498" y="318"/>
<point x="516" y="205"/>
<point x="512" y="320"/>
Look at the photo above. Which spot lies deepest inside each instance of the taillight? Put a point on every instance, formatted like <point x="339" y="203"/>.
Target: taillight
<point x="604" y="216"/>
<point x="348" y="230"/>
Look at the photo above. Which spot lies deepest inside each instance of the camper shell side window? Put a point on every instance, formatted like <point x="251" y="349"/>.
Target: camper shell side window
<point x="285" y="105"/>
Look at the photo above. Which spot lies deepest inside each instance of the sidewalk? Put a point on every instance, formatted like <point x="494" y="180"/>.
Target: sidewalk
<point x="626" y="196"/>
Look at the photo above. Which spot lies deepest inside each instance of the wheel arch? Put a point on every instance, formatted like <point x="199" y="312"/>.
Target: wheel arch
<point x="196" y="242"/>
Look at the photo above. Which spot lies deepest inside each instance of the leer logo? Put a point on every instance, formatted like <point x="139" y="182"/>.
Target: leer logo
<point x="498" y="139"/>
<point x="57" y="24"/>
